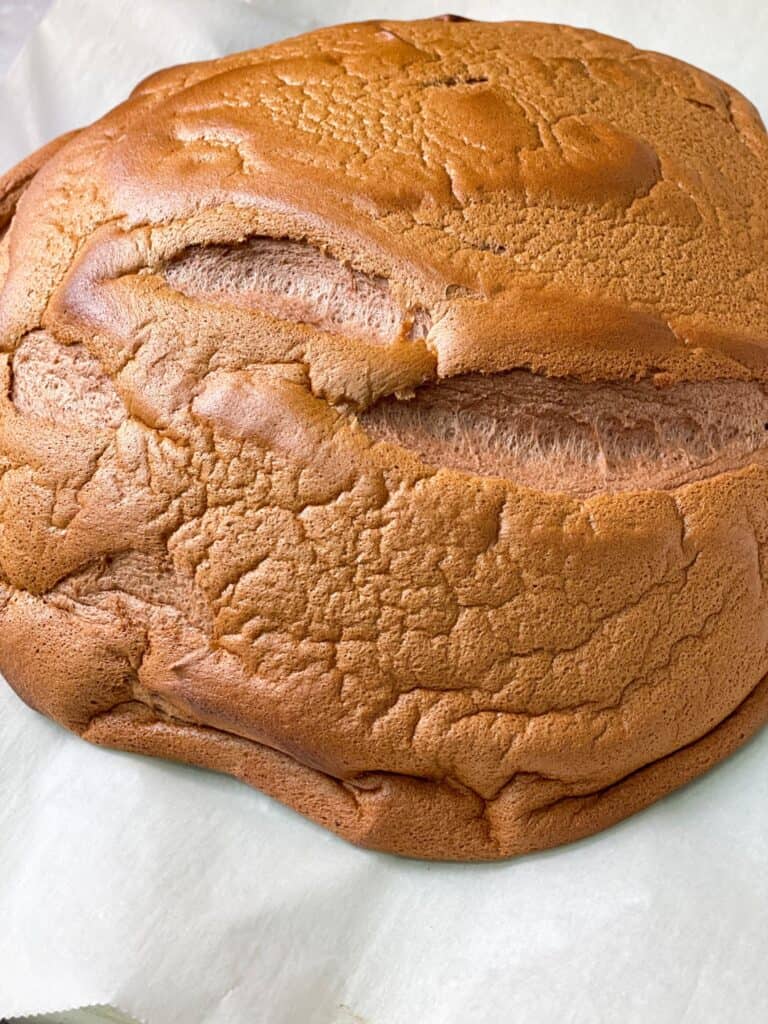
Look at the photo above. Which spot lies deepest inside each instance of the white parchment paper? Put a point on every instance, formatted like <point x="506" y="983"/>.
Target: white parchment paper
<point x="186" y="898"/>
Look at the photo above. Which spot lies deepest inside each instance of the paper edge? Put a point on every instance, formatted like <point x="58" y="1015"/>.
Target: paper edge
<point x="98" y="1013"/>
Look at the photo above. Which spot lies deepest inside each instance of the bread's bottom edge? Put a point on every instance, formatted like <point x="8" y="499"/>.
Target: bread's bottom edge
<point x="417" y="817"/>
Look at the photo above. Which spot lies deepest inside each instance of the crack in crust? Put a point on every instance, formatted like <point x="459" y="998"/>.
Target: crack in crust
<point x="294" y="281"/>
<point x="576" y="438"/>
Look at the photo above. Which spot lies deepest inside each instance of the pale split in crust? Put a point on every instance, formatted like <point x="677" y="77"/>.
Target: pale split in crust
<point x="383" y="422"/>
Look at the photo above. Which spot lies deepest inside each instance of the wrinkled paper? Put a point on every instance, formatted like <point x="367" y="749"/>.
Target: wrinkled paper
<point x="183" y="897"/>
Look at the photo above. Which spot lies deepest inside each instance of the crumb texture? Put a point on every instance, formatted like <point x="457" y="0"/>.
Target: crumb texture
<point x="290" y="281"/>
<point x="382" y="422"/>
<point x="63" y="384"/>
<point x="570" y="437"/>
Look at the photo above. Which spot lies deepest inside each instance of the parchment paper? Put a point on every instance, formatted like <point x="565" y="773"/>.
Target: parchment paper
<point x="186" y="898"/>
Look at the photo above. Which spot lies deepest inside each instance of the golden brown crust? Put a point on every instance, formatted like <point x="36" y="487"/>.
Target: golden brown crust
<point x="203" y="555"/>
<point x="15" y="181"/>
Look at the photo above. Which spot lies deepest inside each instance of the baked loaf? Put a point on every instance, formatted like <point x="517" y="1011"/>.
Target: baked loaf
<point x="383" y="422"/>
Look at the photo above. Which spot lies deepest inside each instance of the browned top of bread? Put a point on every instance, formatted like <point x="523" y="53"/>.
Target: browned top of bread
<point x="553" y="198"/>
<point x="382" y="420"/>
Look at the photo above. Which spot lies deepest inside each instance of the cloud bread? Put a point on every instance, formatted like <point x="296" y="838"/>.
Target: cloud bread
<point x="383" y="421"/>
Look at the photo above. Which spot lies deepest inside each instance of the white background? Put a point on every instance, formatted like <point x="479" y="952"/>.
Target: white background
<point x="186" y="898"/>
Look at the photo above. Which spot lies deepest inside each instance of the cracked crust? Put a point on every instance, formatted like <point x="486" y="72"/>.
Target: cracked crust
<point x="204" y="553"/>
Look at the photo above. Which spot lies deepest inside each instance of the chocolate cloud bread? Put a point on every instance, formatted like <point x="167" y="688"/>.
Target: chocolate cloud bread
<point x="383" y="422"/>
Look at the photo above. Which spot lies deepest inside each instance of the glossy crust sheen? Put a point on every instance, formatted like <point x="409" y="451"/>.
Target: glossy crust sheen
<point x="202" y="554"/>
